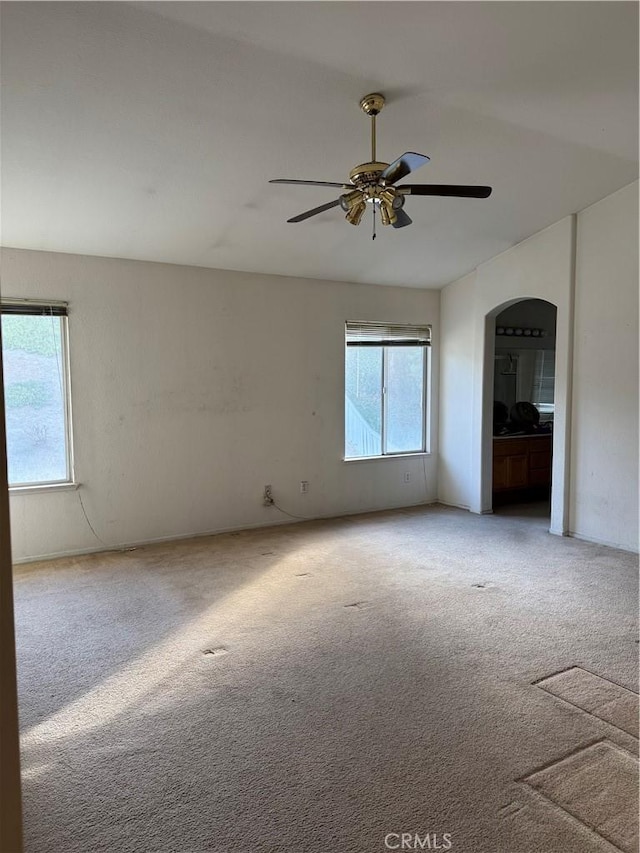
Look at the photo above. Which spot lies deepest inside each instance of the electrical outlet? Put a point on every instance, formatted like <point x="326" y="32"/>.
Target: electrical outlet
<point x="304" y="487"/>
<point x="267" y="498"/>
<point x="407" y="476"/>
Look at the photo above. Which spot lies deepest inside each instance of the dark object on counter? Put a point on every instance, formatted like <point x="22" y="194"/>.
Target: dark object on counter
<point x="525" y="416"/>
<point x="500" y="413"/>
<point x="500" y="418"/>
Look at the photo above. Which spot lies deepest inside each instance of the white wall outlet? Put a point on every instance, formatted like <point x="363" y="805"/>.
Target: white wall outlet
<point x="267" y="498"/>
<point x="407" y="476"/>
<point x="304" y="487"/>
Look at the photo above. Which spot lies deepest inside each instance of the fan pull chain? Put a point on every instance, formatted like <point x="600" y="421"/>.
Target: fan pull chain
<point x="373" y="208"/>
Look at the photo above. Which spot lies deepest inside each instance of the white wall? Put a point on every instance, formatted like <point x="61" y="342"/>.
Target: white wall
<point x="538" y="268"/>
<point x="604" y="449"/>
<point x="457" y="374"/>
<point x="599" y="500"/>
<point x="194" y="388"/>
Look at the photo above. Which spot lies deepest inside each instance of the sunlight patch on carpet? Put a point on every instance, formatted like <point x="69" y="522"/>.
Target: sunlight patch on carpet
<point x="598" y="696"/>
<point x="598" y="785"/>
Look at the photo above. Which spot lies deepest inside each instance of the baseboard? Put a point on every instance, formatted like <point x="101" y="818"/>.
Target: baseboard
<point x="593" y="541"/>
<point x="140" y="543"/>
<point x="454" y="505"/>
<point x="132" y="546"/>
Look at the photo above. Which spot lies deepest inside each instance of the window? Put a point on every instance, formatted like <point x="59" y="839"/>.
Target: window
<point x="36" y="392"/>
<point x="386" y="389"/>
<point x="542" y="394"/>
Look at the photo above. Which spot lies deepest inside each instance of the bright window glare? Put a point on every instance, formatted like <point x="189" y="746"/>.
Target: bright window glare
<point x="405" y="399"/>
<point x="35" y="405"/>
<point x="363" y="413"/>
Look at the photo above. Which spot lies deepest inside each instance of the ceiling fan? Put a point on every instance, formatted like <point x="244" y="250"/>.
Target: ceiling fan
<point x="373" y="183"/>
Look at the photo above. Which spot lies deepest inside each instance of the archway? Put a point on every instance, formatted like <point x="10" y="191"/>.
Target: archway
<point x="523" y="407"/>
<point x="527" y="325"/>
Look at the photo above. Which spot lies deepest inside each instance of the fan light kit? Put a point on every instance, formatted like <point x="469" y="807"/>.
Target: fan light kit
<point x="373" y="183"/>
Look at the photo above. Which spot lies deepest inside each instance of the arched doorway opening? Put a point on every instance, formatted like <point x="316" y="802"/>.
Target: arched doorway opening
<point x="520" y="407"/>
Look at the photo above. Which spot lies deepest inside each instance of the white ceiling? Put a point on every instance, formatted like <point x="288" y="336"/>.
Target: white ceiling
<point x="150" y="130"/>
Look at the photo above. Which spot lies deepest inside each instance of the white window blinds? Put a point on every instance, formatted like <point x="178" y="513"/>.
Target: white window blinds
<point x="387" y="335"/>
<point x="29" y="308"/>
<point x="544" y="377"/>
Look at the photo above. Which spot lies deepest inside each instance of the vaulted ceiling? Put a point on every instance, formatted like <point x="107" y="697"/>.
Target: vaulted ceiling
<point x="150" y="130"/>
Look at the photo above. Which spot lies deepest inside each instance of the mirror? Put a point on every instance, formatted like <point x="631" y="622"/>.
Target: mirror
<point x="525" y="375"/>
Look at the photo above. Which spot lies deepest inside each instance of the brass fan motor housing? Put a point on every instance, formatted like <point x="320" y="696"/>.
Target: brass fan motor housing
<point x="366" y="174"/>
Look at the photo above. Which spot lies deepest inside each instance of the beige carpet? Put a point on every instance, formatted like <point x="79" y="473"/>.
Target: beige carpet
<point x="598" y="696"/>
<point x="599" y="786"/>
<point x="326" y="687"/>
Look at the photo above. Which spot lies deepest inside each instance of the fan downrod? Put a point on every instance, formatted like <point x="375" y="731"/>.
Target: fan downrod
<point x="371" y="105"/>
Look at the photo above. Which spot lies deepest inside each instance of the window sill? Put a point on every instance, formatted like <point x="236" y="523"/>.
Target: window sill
<point x="42" y="488"/>
<point x="419" y="454"/>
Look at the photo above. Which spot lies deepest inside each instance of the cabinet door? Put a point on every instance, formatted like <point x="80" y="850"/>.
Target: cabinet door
<point x="540" y="458"/>
<point x="510" y="472"/>
<point x="518" y="471"/>
<point x="500" y="473"/>
<point x="540" y="477"/>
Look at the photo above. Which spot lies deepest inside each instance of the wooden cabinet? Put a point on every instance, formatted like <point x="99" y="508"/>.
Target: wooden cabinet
<point x="521" y="462"/>
<point x="510" y="472"/>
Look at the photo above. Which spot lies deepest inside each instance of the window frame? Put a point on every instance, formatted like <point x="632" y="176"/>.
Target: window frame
<point x="38" y="307"/>
<point x="426" y="387"/>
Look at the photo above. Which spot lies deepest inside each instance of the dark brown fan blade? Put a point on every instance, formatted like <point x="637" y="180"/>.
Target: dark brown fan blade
<point x="445" y="189"/>
<point x="313" y="183"/>
<point x="402" y="220"/>
<point x="403" y="166"/>
<point x="301" y="216"/>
